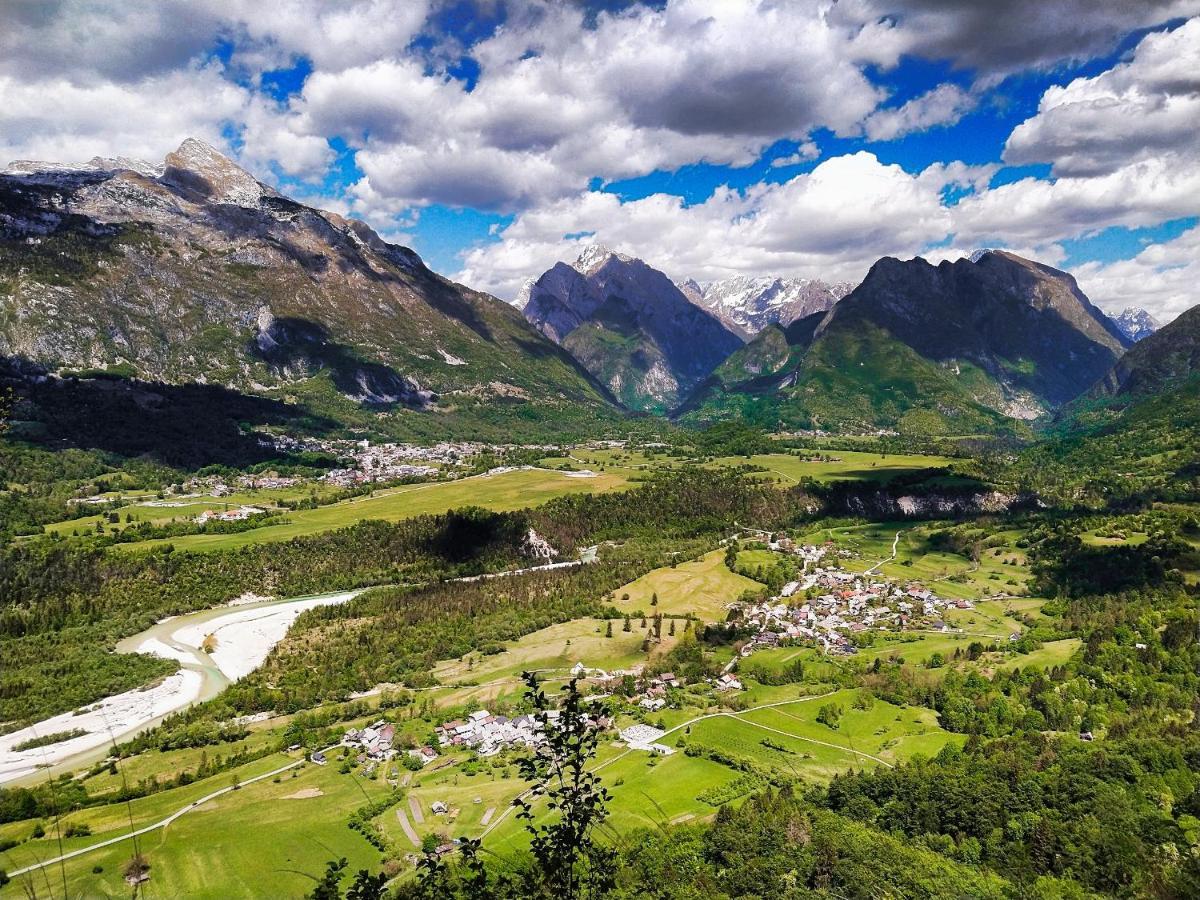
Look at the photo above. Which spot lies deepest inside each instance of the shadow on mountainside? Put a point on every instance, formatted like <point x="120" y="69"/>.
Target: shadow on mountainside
<point x="187" y="425"/>
<point x="301" y="348"/>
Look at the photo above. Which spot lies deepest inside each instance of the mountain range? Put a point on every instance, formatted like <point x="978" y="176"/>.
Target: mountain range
<point x="953" y="348"/>
<point x="747" y="304"/>
<point x="194" y="272"/>
<point x="130" y="289"/>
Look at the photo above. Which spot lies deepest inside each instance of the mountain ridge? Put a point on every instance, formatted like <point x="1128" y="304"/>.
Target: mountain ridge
<point x="747" y="304"/>
<point x="956" y="347"/>
<point x="198" y="272"/>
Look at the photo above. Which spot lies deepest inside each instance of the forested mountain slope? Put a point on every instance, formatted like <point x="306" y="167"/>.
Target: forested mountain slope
<point x="956" y="348"/>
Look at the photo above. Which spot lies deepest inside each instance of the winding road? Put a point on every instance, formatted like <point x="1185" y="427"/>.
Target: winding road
<point x="874" y="570"/>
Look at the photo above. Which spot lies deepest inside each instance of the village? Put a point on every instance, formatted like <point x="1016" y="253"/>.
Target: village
<point x="828" y="605"/>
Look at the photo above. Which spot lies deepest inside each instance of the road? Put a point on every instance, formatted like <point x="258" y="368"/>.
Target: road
<point x="146" y="829"/>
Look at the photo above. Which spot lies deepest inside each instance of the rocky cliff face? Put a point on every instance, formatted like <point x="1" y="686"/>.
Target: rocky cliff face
<point x="747" y="305"/>
<point x="194" y="271"/>
<point x="629" y="326"/>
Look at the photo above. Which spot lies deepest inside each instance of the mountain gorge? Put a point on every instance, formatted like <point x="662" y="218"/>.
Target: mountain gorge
<point x="629" y="326"/>
<point x="194" y="272"/>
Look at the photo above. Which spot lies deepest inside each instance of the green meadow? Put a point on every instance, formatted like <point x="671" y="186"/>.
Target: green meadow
<point x="702" y="587"/>
<point x="502" y="492"/>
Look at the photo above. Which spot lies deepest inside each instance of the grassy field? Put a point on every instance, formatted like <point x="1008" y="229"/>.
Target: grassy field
<point x="506" y="491"/>
<point x="513" y="490"/>
<point x="843" y="465"/>
<point x="999" y="570"/>
<point x="1052" y="653"/>
<point x="551" y="652"/>
<point x="701" y="587"/>
<point x="146" y="508"/>
<point x="649" y="791"/>
<point x="265" y="840"/>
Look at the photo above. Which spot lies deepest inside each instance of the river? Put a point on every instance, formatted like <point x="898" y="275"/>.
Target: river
<point x="239" y="638"/>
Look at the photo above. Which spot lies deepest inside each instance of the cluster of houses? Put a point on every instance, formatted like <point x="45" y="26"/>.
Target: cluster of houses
<point x="390" y="472"/>
<point x="488" y="734"/>
<point x="267" y="482"/>
<point x="836" y="604"/>
<point x="374" y="742"/>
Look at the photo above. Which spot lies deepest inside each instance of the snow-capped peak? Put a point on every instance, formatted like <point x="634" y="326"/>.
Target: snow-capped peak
<point x="595" y="255"/>
<point x="692" y="289"/>
<point x="1135" y="323"/>
<point x="977" y="255"/>
<point x="749" y="303"/>
<point x="29" y="167"/>
<point x="522" y="299"/>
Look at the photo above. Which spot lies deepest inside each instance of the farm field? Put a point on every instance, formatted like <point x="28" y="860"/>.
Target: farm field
<point x="147" y="508"/>
<point x="785" y="468"/>
<point x="224" y="848"/>
<point x="502" y="492"/>
<point x="701" y="587"/>
<point x="649" y="791"/>
<point x="1000" y="570"/>
<point x="1052" y="653"/>
<point x="843" y="465"/>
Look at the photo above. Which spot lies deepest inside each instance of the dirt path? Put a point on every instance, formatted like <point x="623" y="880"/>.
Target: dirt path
<point x="407" y="826"/>
<point x="874" y="570"/>
<point x="415" y="805"/>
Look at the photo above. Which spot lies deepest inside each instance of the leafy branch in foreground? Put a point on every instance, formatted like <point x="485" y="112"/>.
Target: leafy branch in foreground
<point x="567" y="862"/>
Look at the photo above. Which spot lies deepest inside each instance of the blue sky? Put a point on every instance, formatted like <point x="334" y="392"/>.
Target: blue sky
<point x="712" y="138"/>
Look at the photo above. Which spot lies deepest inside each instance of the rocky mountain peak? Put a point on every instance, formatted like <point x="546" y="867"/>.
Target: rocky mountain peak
<point x="1135" y="323"/>
<point x="692" y="289"/>
<point x="593" y="256"/>
<point x="200" y="168"/>
<point x="629" y="325"/>
<point x="748" y="303"/>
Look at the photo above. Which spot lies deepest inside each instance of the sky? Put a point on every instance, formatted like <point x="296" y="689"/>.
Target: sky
<point x="711" y="138"/>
